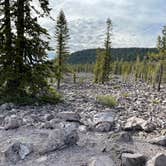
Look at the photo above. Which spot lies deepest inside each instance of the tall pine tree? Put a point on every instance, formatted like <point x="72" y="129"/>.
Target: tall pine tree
<point x="102" y="67"/>
<point x="23" y="57"/>
<point x="62" y="50"/>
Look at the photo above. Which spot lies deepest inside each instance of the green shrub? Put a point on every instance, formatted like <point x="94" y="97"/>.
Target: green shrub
<point x="51" y="97"/>
<point x="107" y="100"/>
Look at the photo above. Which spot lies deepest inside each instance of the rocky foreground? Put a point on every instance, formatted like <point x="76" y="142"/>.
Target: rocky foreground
<point x="82" y="132"/>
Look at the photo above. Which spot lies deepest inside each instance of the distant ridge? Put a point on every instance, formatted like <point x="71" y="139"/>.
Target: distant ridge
<point x="118" y="54"/>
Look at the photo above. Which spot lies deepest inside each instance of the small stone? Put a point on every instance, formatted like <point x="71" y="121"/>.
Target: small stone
<point x="48" y="117"/>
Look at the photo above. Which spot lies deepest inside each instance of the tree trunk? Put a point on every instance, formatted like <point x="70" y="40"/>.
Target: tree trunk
<point x="8" y="35"/>
<point x="20" y="41"/>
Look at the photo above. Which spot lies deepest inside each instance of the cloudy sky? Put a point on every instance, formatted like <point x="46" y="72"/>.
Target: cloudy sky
<point x="136" y="23"/>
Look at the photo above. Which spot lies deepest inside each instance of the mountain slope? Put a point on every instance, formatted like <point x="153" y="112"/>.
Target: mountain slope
<point x="125" y="54"/>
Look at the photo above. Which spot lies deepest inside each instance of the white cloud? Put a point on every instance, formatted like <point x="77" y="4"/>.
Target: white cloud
<point x="136" y="22"/>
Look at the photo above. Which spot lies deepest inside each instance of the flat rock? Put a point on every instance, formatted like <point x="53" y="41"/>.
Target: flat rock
<point x="136" y="159"/>
<point x="69" y="116"/>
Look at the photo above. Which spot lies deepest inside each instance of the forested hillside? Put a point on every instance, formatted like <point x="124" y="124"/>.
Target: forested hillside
<point x="125" y="54"/>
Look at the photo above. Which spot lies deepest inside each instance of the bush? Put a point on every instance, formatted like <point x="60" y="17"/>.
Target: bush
<point x="107" y="100"/>
<point x="51" y="97"/>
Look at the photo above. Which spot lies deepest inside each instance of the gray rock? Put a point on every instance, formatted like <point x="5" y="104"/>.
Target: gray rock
<point x="69" y="116"/>
<point x="48" y="117"/>
<point x="57" y="140"/>
<point x="17" y="151"/>
<point x="158" y="160"/>
<point x="159" y="141"/>
<point x="103" y="117"/>
<point x="12" y="122"/>
<point x="103" y="127"/>
<point x="6" y="106"/>
<point x="121" y="137"/>
<point x="101" y="161"/>
<point x="103" y="122"/>
<point x="135" y="123"/>
<point x="129" y="159"/>
<point x="1" y="119"/>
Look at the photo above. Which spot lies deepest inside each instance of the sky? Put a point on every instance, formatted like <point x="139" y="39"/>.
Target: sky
<point x="136" y="23"/>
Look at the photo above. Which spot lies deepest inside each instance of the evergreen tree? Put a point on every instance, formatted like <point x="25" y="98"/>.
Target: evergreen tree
<point x="23" y="58"/>
<point x="6" y="37"/>
<point x="102" y="67"/>
<point x="62" y="37"/>
<point x="98" y="67"/>
<point x="160" y="58"/>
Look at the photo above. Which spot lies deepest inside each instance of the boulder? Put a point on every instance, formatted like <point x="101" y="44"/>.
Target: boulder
<point x="158" y="160"/>
<point x="17" y="151"/>
<point x="6" y="106"/>
<point x="58" y="139"/>
<point x="159" y="141"/>
<point x="121" y="137"/>
<point x="69" y="116"/>
<point x="103" y="122"/>
<point x="136" y="159"/>
<point x="135" y="123"/>
<point x="12" y="122"/>
<point x="103" y="127"/>
<point x="101" y="161"/>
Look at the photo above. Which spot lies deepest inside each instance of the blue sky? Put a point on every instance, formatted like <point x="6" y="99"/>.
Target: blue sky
<point x="136" y="23"/>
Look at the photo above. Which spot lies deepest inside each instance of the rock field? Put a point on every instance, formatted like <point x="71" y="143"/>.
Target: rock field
<point x="82" y="132"/>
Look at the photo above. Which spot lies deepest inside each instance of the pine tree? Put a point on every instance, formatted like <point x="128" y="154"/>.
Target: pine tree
<point x="107" y="57"/>
<point x="62" y="37"/>
<point x="102" y="67"/>
<point x="6" y="49"/>
<point x="25" y="50"/>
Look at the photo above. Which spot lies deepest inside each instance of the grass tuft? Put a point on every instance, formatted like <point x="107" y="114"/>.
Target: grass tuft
<point x="107" y="100"/>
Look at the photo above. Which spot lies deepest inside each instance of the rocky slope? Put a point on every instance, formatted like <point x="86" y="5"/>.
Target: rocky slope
<point x="82" y="132"/>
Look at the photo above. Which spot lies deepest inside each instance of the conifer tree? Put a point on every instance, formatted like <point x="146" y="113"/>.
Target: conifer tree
<point x="107" y="57"/>
<point x="62" y="51"/>
<point x="6" y="37"/>
<point x="160" y="58"/>
<point x="102" y="67"/>
<point x="25" y="50"/>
